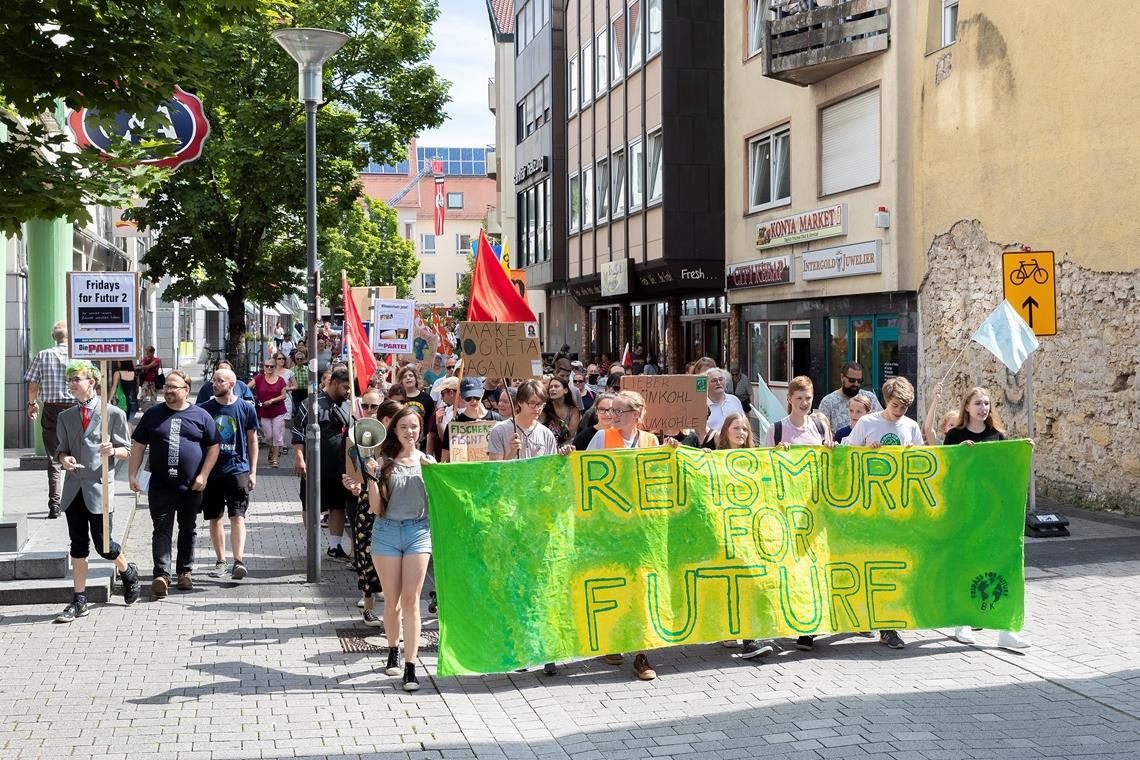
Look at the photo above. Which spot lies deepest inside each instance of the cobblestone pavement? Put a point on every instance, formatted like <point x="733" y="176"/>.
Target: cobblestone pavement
<point x="254" y="669"/>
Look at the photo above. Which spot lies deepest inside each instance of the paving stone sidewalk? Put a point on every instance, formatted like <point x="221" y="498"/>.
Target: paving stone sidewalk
<point x="254" y="669"/>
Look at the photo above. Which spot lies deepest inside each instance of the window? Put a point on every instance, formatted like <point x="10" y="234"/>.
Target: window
<point x="849" y="143"/>
<point x="539" y="223"/>
<point x="601" y="65"/>
<point x="575" y="196"/>
<point x="602" y="190"/>
<point x="462" y="245"/>
<point x="769" y="174"/>
<point x="547" y="99"/>
<point x="427" y="282"/>
<point x="531" y="223"/>
<point x="531" y="21"/>
<point x="542" y="15"/>
<point x="427" y="245"/>
<point x="617" y="48"/>
<point x="455" y="200"/>
<point x="756" y="10"/>
<point x="409" y="231"/>
<point x="572" y="85"/>
<point x="531" y="111"/>
<point x="617" y="182"/>
<point x="522" y="22"/>
<point x="636" y="174"/>
<point x="654" y="27"/>
<point x="520" y="121"/>
<point x="587" y="73"/>
<point x="653" y="169"/>
<point x="949" y="21"/>
<point x="587" y="197"/>
<point x="548" y="186"/>
<point x="520" y="228"/>
<point x="634" y="22"/>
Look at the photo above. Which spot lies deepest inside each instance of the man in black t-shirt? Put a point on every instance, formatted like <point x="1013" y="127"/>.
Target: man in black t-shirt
<point x="471" y="392"/>
<point x="334" y="422"/>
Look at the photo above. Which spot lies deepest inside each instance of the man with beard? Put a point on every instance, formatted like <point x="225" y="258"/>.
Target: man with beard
<point x="834" y="404"/>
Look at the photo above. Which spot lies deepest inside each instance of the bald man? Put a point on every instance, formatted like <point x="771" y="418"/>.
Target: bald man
<point x="235" y="474"/>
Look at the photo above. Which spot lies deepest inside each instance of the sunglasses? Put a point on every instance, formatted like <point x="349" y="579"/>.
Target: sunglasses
<point x="369" y="406"/>
<point x="853" y="380"/>
<point x="269" y="366"/>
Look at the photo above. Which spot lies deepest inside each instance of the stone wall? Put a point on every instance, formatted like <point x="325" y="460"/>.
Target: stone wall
<point x="1086" y="397"/>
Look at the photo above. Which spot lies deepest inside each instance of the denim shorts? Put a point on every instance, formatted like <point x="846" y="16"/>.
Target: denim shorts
<point x="395" y="538"/>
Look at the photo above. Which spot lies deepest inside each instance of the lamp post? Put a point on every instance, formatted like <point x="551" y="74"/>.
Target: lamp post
<point x="310" y="48"/>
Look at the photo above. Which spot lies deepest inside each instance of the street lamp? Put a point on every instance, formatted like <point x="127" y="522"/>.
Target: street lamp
<point x="310" y="48"/>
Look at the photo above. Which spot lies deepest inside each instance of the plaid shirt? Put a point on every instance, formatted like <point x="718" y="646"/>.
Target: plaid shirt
<point x="49" y="370"/>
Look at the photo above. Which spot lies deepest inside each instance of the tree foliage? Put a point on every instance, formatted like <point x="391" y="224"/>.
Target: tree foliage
<point x="368" y="246"/>
<point x="233" y="222"/>
<point x="106" y="55"/>
<point x="463" y="292"/>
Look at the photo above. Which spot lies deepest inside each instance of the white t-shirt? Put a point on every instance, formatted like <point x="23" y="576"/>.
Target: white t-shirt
<point x="717" y="412"/>
<point x="536" y="442"/>
<point x="875" y="428"/>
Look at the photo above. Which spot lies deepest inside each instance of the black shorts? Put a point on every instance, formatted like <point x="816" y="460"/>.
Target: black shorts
<point x="85" y="528"/>
<point x="226" y="493"/>
<point x="334" y="497"/>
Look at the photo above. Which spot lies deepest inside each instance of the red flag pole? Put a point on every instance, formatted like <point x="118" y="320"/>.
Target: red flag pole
<point x="345" y="295"/>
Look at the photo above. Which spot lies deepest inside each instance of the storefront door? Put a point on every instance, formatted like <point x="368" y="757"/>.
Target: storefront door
<point x="871" y="340"/>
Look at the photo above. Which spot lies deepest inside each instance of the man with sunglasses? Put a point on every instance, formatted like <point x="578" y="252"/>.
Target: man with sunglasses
<point x="184" y="447"/>
<point x="834" y="405"/>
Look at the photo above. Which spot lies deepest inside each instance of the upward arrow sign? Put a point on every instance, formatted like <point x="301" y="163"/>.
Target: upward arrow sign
<point x="1028" y="304"/>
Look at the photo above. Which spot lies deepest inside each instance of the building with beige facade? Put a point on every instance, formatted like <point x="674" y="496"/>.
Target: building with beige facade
<point x="409" y="187"/>
<point x="880" y="158"/>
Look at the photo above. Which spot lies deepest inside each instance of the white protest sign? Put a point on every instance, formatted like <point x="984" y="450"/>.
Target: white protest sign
<point x="392" y="331"/>
<point x="103" y="315"/>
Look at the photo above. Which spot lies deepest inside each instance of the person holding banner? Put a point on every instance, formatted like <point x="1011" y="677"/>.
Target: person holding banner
<point x="523" y="436"/>
<point x="979" y="423"/>
<point x="599" y="417"/>
<point x="857" y="407"/>
<point x="401" y="536"/>
<point x="80" y="454"/>
<point x="799" y="428"/>
<point x="627" y="412"/>
<point x="471" y="392"/>
<point x="834" y="405"/>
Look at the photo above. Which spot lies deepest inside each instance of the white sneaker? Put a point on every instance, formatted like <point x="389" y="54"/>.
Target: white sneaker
<point x="964" y="635"/>
<point x="1010" y="640"/>
<point x="360" y="603"/>
<point x="220" y="569"/>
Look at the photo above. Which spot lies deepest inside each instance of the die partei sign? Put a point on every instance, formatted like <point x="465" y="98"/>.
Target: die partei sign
<point x="797" y="228"/>
<point x="103" y="315"/>
<point x="777" y="270"/>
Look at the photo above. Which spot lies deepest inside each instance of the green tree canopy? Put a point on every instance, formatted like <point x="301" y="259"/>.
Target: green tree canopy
<point x="106" y="55"/>
<point x="233" y="222"/>
<point x="368" y="246"/>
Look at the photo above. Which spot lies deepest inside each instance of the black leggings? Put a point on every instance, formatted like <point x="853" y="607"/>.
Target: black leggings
<point x="85" y="527"/>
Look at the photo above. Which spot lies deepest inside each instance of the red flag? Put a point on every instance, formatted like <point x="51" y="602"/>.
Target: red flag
<point x="493" y="297"/>
<point x="437" y="167"/>
<point x="362" y="358"/>
<point x="626" y="357"/>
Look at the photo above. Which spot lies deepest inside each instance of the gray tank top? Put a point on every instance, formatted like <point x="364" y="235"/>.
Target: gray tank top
<point x="407" y="497"/>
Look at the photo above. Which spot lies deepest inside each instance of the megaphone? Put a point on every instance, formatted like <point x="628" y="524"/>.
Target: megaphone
<point x="367" y="433"/>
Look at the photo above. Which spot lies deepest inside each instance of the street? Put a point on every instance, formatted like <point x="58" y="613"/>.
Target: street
<point x="255" y="669"/>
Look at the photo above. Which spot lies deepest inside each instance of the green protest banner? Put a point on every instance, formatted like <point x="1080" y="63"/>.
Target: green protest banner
<point x="618" y="551"/>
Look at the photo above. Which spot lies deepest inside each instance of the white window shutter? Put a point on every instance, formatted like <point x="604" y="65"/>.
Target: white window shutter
<point x="850" y="142"/>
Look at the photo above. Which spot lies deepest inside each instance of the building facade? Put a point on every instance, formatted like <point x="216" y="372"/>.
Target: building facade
<point x="644" y="180"/>
<point x="409" y="187"/>
<point x="821" y="266"/>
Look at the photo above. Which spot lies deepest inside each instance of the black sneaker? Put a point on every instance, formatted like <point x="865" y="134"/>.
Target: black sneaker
<point x="372" y="619"/>
<point x="132" y="586"/>
<point x="393" y="666"/>
<point x="549" y="669"/>
<point x="752" y="648"/>
<point x="411" y="683"/>
<point x="805" y="643"/>
<point x="891" y="639"/>
<point x="433" y="603"/>
<point x="71" y="612"/>
<point x="238" y="571"/>
<point x="338" y="554"/>
<point x="53" y="513"/>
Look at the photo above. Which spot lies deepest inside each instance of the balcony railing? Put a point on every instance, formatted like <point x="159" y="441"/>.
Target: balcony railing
<point x="816" y="40"/>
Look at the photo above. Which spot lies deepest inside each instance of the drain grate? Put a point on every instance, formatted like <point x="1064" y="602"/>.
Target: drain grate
<point x="372" y="641"/>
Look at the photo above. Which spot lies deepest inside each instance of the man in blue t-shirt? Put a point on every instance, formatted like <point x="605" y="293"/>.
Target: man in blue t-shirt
<point x="233" y="478"/>
<point x="183" y="441"/>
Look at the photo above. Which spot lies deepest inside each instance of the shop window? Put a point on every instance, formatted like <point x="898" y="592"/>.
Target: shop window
<point x="769" y="170"/>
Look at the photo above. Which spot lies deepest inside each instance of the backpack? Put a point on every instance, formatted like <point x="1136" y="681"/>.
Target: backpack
<point x="778" y="433"/>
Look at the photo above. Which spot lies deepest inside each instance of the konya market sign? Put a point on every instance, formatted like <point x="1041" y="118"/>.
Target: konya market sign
<point x="188" y="130"/>
<point x="797" y="228"/>
<point x="777" y="270"/>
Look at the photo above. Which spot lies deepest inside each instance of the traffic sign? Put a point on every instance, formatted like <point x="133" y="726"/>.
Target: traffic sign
<point x="188" y="129"/>
<point x="1029" y="282"/>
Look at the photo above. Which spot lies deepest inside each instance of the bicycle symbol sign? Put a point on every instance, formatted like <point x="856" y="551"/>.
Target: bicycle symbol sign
<point x="1029" y="284"/>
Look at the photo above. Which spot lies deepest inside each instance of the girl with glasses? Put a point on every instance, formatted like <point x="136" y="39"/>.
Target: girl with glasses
<point x="270" y="390"/>
<point x="599" y="417"/>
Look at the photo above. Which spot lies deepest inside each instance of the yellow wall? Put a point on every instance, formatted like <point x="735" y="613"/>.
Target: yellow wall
<point x="1033" y="130"/>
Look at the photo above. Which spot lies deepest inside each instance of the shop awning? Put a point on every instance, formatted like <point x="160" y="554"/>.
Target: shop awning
<point x="205" y="303"/>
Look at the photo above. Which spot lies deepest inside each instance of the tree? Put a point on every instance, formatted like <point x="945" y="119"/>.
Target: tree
<point x="233" y="222"/>
<point x="368" y="246"/>
<point x="107" y="55"/>
<point x="463" y="292"/>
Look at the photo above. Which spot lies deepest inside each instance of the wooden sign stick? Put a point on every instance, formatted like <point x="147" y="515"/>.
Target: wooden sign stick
<point x="105" y="438"/>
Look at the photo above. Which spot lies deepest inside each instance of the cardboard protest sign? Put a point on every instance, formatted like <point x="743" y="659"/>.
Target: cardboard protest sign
<point x="364" y="296"/>
<point x="468" y="440"/>
<point x="672" y="402"/>
<point x="500" y="349"/>
<point x="103" y="315"/>
<point x="556" y="558"/>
